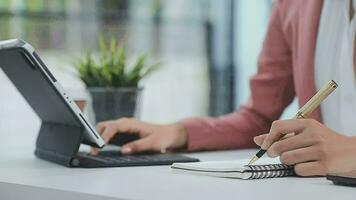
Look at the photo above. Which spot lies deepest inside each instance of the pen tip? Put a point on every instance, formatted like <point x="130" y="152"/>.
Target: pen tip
<point x="253" y="160"/>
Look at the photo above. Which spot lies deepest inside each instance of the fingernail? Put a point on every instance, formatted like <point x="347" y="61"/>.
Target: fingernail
<point x="126" y="150"/>
<point x="254" y="139"/>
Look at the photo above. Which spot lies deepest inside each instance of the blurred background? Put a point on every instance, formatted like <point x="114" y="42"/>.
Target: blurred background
<point x="208" y="49"/>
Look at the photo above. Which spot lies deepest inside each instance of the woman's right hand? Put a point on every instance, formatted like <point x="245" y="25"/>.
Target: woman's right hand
<point x="158" y="138"/>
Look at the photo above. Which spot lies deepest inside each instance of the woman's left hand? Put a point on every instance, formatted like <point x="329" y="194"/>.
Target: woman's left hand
<point x="314" y="149"/>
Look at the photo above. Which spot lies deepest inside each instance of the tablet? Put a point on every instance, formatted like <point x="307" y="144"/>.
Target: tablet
<point x="41" y="89"/>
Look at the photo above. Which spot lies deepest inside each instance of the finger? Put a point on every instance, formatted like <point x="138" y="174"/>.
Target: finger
<point x="108" y="133"/>
<point x="94" y="151"/>
<point x="287" y="136"/>
<point x="101" y="126"/>
<point x="301" y="155"/>
<point x="280" y="128"/>
<point x="310" y="169"/>
<point x="140" y="145"/>
<point x="111" y="128"/>
<point x="259" y="139"/>
<point x="289" y="144"/>
<point x="132" y="126"/>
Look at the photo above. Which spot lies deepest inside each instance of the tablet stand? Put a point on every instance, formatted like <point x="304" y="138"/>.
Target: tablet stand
<point x="58" y="143"/>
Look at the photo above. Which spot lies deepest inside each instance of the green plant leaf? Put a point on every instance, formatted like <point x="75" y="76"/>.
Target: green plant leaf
<point x="110" y="69"/>
<point x="102" y="47"/>
<point x="134" y="74"/>
<point x="150" y="69"/>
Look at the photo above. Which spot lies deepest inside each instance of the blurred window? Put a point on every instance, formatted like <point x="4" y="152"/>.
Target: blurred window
<point x="208" y="48"/>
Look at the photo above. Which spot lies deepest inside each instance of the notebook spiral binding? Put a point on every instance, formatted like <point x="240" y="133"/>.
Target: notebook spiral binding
<point x="270" y="171"/>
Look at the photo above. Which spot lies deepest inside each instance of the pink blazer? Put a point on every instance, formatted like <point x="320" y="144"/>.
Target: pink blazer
<point x="285" y="70"/>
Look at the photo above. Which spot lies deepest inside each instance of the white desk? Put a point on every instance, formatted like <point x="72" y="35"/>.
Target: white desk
<point x="158" y="182"/>
<point x="19" y="165"/>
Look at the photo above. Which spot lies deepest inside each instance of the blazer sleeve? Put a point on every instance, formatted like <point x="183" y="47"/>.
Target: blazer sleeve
<point x="272" y="90"/>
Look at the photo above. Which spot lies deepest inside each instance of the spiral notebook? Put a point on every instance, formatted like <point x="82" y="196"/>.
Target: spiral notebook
<point x="265" y="168"/>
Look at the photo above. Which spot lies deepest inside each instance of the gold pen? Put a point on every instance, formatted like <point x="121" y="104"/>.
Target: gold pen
<point x="308" y="108"/>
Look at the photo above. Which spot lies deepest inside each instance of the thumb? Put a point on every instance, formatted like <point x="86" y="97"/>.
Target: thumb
<point x="144" y="144"/>
<point x="259" y="139"/>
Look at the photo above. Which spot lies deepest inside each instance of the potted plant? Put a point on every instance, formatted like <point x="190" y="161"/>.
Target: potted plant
<point x="112" y="83"/>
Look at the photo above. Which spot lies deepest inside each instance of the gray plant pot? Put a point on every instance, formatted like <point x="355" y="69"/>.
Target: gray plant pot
<point x="114" y="103"/>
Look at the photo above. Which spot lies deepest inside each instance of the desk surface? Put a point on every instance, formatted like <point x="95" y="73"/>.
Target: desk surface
<point x="160" y="183"/>
<point x="18" y="165"/>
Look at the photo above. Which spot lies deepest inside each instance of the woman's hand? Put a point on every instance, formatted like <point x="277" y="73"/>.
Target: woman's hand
<point x="314" y="149"/>
<point x="153" y="137"/>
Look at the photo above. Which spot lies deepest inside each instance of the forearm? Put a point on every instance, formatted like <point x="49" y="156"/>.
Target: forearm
<point x="231" y="131"/>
